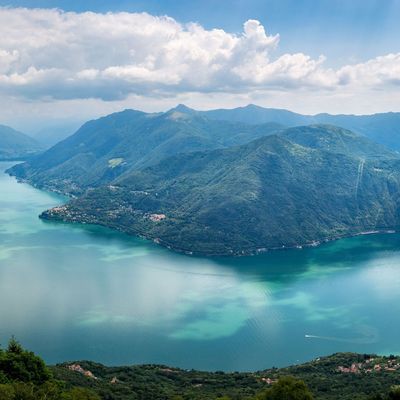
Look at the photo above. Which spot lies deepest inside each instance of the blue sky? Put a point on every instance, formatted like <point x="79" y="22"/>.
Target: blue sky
<point x="343" y="30"/>
<point x="310" y="56"/>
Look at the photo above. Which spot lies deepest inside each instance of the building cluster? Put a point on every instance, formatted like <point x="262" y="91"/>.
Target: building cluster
<point x="157" y="217"/>
<point x="370" y="365"/>
<point x="78" y="368"/>
<point x="268" y="381"/>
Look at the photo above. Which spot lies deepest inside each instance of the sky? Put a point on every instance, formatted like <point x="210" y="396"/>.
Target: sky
<point x="68" y="61"/>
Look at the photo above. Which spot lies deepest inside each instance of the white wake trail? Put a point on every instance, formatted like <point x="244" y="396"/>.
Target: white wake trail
<point x="368" y="335"/>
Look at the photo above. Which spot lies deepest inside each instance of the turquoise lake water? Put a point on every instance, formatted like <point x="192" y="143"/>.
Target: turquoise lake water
<point x="73" y="292"/>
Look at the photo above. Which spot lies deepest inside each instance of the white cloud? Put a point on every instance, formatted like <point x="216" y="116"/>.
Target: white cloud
<point x="52" y="56"/>
<point x="380" y="71"/>
<point x="60" y="54"/>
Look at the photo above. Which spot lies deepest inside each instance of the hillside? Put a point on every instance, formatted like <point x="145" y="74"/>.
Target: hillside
<point x="15" y="145"/>
<point x="104" y="149"/>
<point x="345" y="376"/>
<point x="299" y="187"/>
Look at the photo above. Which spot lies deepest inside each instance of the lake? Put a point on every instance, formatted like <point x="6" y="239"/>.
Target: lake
<point x="73" y="292"/>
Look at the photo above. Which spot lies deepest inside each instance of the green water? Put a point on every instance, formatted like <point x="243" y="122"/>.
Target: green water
<point x="78" y="292"/>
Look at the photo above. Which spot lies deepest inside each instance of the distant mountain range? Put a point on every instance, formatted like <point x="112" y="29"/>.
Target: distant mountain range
<point x="53" y="133"/>
<point x="382" y="128"/>
<point x="15" y="145"/>
<point x="225" y="182"/>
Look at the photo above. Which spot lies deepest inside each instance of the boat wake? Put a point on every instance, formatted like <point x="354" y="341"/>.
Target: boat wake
<point x="368" y="335"/>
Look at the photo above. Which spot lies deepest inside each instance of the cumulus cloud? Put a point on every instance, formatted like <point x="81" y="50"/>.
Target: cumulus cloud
<point x="54" y="54"/>
<point x="377" y="72"/>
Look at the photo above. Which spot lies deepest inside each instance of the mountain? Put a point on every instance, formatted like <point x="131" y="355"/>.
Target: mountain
<point x="104" y="149"/>
<point x="382" y="128"/>
<point x="297" y="187"/>
<point x="15" y="145"/>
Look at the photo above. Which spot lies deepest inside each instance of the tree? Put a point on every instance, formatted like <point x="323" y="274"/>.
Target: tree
<point x="287" y="388"/>
<point x="18" y="364"/>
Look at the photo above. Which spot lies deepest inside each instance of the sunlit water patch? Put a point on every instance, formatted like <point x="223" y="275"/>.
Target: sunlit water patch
<point x="83" y="292"/>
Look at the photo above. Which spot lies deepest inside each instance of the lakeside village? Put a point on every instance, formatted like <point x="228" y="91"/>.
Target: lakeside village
<point x="372" y="365"/>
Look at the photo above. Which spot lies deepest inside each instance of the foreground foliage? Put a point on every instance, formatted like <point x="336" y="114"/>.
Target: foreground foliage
<point x="24" y="376"/>
<point x="287" y="388"/>
<point x="321" y="379"/>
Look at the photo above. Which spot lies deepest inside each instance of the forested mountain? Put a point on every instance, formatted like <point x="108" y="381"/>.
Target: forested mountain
<point x="15" y="145"/>
<point x="109" y="147"/>
<point x="300" y="186"/>
<point x="201" y="184"/>
<point x="104" y="149"/>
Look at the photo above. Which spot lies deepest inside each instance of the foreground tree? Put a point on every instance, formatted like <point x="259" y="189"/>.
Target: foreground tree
<point x="18" y="364"/>
<point x="287" y="388"/>
<point x="24" y="376"/>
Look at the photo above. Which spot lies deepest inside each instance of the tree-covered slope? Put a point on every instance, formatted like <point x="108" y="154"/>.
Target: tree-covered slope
<point x="15" y="145"/>
<point x="294" y="188"/>
<point x="104" y="149"/>
<point x="345" y="376"/>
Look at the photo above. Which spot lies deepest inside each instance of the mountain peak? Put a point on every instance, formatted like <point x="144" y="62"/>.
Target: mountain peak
<point x="183" y="109"/>
<point x="252" y="106"/>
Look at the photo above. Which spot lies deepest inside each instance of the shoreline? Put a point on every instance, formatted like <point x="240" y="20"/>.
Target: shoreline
<point x="233" y="253"/>
<point x="239" y="253"/>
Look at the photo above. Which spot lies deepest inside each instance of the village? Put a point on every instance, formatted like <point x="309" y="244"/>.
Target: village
<point x="371" y="365"/>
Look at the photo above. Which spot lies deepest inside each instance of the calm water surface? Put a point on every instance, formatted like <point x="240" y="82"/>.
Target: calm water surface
<point x="78" y="292"/>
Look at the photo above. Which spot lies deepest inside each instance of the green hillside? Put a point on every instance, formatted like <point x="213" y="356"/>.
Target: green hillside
<point x="345" y="376"/>
<point x="299" y="187"/>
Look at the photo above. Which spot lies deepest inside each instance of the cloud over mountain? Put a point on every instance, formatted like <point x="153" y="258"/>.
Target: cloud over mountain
<point x="48" y="53"/>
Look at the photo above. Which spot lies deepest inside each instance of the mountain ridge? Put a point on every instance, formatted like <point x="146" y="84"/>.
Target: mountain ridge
<point x="103" y="149"/>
